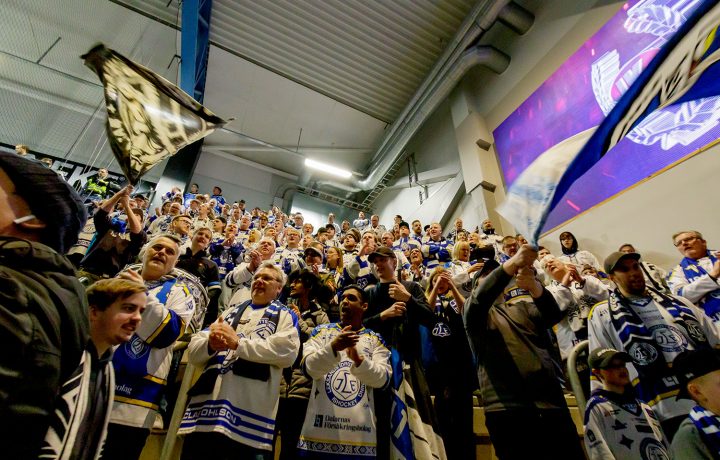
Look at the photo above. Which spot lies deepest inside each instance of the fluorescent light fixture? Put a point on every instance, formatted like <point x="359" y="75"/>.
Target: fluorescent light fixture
<point x="345" y="174"/>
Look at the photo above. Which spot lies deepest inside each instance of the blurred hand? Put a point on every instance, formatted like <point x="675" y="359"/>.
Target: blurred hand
<point x="222" y="336"/>
<point x="525" y="279"/>
<point x="397" y="310"/>
<point x="347" y="338"/>
<point x="132" y="275"/>
<point x="354" y="355"/>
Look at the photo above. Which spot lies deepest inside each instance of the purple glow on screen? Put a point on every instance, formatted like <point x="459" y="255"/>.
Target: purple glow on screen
<point x="579" y="94"/>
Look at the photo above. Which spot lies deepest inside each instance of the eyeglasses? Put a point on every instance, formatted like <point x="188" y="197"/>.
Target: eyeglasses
<point x="689" y="239"/>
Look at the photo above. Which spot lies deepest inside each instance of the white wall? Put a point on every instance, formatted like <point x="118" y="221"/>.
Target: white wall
<point x="237" y="180"/>
<point x="435" y="148"/>
<point x="684" y="197"/>
<point x="316" y="211"/>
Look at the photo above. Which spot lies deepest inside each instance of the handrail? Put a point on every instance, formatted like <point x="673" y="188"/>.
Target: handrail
<point x="179" y="409"/>
<point x="575" y="383"/>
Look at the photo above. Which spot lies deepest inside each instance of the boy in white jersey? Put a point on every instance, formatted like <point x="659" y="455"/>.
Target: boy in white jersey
<point x="346" y="362"/>
<point x="618" y="425"/>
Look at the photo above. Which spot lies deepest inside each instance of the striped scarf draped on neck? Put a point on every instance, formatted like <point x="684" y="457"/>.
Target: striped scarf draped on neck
<point x="640" y="344"/>
<point x="708" y="425"/>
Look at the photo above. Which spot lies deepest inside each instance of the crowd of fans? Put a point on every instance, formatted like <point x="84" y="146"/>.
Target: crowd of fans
<point x="295" y="329"/>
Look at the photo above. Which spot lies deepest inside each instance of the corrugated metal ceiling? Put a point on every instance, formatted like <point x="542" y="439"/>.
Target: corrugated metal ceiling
<point x="369" y="55"/>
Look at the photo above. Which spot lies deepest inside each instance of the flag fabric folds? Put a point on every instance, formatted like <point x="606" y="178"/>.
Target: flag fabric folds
<point x="685" y="69"/>
<point x="412" y="423"/>
<point x="148" y="118"/>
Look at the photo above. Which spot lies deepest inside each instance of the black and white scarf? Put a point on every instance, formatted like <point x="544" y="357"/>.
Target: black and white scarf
<point x="640" y="344"/>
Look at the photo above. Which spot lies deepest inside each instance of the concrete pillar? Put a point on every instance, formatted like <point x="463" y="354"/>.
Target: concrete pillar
<point x="478" y="161"/>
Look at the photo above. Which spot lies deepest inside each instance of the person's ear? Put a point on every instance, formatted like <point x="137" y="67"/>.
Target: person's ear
<point x="365" y="306"/>
<point x="695" y="392"/>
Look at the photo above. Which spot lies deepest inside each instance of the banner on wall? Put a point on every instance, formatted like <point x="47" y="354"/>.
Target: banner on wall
<point x="672" y="106"/>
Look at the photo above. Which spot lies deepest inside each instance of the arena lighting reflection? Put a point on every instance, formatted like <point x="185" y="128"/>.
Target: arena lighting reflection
<point x="345" y="174"/>
<point x="586" y="87"/>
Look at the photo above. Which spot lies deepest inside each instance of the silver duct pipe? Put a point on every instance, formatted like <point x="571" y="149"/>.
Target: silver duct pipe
<point x="450" y="68"/>
<point x="517" y="18"/>
<point x="488" y="56"/>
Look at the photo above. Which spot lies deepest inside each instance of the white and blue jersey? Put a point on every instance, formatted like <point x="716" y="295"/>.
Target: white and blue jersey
<point x="436" y="253"/>
<point x="142" y="364"/>
<point x="238" y="404"/>
<point x="340" y="419"/>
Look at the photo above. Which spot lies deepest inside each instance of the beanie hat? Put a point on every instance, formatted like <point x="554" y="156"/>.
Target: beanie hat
<point x="51" y="199"/>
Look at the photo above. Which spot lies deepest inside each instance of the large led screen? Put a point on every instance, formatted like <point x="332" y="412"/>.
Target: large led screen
<point x="586" y="87"/>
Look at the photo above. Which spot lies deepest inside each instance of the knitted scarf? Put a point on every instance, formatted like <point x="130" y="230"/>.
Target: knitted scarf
<point x="692" y="270"/>
<point x="646" y="353"/>
<point x="708" y="425"/>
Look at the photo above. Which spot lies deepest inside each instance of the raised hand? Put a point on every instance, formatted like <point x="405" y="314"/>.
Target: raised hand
<point x="396" y="310"/>
<point x="525" y="279"/>
<point x="222" y="336"/>
<point x="398" y="292"/>
<point x="347" y="338"/>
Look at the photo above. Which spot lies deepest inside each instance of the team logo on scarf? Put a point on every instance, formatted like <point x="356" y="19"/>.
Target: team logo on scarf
<point x="643" y="353"/>
<point x="342" y="387"/>
<point x="137" y="348"/>
<point x="651" y="449"/>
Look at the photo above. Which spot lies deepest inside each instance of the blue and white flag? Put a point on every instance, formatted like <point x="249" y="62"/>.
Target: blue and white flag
<point x="683" y="70"/>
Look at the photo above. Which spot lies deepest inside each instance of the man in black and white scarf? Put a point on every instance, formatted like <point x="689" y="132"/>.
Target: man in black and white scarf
<point x="653" y="328"/>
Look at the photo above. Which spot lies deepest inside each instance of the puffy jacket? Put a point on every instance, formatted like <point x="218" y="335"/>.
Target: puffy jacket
<point x="300" y="384"/>
<point x="43" y="332"/>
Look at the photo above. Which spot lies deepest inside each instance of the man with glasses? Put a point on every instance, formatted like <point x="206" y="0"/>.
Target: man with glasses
<point x="234" y="402"/>
<point x="696" y="276"/>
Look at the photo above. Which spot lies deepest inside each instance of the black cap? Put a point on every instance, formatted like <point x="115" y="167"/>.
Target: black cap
<point x="315" y="247"/>
<point x="404" y="224"/>
<point x="690" y="365"/>
<point x="51" y="199"/>
<point x="612" y="260"/>
<point x="600" y="358"/>
<point x="382" y="251"/>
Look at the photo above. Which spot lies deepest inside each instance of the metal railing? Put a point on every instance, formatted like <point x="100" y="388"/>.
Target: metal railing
<point x="572" y="372"/>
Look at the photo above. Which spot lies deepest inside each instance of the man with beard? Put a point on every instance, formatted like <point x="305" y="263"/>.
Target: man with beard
<point x="490" y="238"/>
<point x="243" y="355"/>
<point x="405" y="243"/>
<point x="348" y="354"/>
<point x="417" y="233"/>
<point x="653" y="328"/>
<point x="195" y="261"/>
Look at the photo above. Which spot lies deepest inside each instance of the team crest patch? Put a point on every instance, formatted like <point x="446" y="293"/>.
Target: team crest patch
<point x="669" y="338"/>
<point x="136" y="348"/>
<point x="652" y="449"/>
<point x="643" y="353"/>
<point x="441" y="330"/>
<point x="265" y="328"/>
<point x="342" y="387"/>
<point x="695" y="331"/>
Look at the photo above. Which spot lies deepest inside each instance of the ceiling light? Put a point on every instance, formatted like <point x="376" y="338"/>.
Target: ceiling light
<point x="345" y="174"/>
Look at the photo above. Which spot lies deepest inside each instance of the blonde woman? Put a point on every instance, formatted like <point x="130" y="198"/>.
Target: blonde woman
<point x="451" y="375"/>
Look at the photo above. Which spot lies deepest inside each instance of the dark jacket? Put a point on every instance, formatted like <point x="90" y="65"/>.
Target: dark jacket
<point x="43" y="332"/>
<point x="517" y="363"/>
<point x="402" y="333"/>
<point x="110" y="251"/>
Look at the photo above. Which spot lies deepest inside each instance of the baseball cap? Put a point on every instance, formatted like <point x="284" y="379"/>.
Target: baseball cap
<point x="404" y="224"/>
<point x="690" y="365"/>
<point x="382" y="251"/>
<point x="613" y="259"/>
<point x="51" y="199"/>
<point x="354" y="233"/>
<point x="600" y="358"/>
<point x="315" y="247"/>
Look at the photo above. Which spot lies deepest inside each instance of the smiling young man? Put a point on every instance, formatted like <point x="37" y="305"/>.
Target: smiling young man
<point x="617" y="425"/>
<point x="346" y="361"/>
<point x="696" y="276"/>
<point x="80" y="424"/>
<point x="142" y="364"/>
<point x="653" y="328"/>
